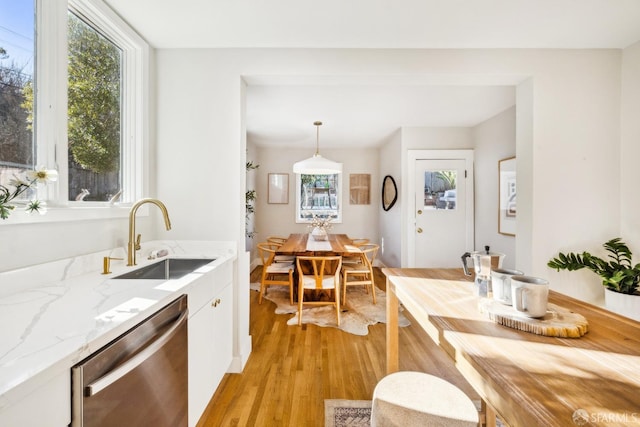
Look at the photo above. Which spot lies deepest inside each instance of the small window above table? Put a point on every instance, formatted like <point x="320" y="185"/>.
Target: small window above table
<point x="318" y="196"/>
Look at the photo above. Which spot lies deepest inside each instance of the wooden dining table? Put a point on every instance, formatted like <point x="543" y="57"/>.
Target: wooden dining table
<point x="528" y="379"/>
<point x="299" y="244"/>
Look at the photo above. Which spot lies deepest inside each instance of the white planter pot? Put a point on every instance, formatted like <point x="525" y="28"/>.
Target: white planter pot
<point x="623" y="304"/>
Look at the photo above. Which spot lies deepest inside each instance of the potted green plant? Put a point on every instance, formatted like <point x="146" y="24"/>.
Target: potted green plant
<point x="619" y="276"/>
<point x="250" y="197"/>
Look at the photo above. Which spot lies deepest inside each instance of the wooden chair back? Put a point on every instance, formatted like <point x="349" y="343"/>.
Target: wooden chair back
<point x="319" y="273"/>
<point x="276" y="240"/>
<point x="274" y="273"/>
<point x="361" y="273"/>
<point x="369" y="253"/>
<point x="267" y="252"/>
<point x="359" y="242"/>
<point x="313" y="271"/>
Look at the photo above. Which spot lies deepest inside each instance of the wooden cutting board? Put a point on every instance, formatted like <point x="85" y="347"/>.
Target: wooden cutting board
<point x="558" y="322"/>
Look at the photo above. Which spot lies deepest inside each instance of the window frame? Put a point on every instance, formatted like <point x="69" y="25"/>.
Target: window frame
<point x="50" y="128"/>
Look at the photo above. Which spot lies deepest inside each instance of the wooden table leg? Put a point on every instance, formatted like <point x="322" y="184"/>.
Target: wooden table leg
<point x="489" y="415"/>
<point x="392" y="328"/>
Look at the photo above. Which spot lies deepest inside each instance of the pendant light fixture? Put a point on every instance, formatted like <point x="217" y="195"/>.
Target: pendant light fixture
<point x="317" y="165"/>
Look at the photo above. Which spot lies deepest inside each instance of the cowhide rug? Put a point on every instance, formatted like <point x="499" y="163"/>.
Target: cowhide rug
<point x="357" y="314"/>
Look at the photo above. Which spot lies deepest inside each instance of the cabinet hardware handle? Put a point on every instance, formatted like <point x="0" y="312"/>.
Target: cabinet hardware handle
<point x="216" y="303"/>
<point x="419" y="230"/>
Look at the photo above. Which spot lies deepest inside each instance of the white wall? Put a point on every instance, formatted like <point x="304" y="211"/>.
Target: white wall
<point x="390" y="222"/>
<point x="201" y="167"/>
<point x="443" y="138"/>
<point x="494" y="139"/>
<point x="575" y="149"/>
<point x="358" y="221"/>
<point x="524" y="167"/>
<point x="630" y="150"/>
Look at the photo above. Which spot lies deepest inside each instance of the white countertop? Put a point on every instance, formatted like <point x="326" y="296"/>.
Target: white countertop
<point x="54" y="315"/>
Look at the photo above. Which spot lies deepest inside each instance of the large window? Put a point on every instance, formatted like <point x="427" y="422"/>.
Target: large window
<point x="77" y="104"/>
<point x="318" y="196"/>
<point x="94" y="92"/>
<point x="17" y="66"/>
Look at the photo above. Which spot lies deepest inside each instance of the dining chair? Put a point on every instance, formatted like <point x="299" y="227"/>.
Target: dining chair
<point x="274" y="273"/>
<point x="360" y="273"/>
<point x="277" y="240"/>
<point x="359" y="242"/>
<point x="319" y="273"/>
<point x="353" y="257"/>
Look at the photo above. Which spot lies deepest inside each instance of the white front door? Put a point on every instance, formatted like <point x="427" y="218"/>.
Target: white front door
<point x="442" y="217"/>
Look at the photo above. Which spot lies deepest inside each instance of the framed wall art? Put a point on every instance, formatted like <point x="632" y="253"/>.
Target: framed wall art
<point x="507" y="208"/>
<point x="359" y="188"/>
<point x="278" y="190"/>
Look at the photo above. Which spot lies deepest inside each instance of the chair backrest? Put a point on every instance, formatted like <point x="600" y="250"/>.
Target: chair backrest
<point x="276" y="240"/>
<point x="359" y="242"/>
<point x="318" y="267"/>
<point x="369" y="253"/>
<point x="267" y="252"/>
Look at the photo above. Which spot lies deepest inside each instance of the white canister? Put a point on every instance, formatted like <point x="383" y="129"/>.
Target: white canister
<point x="529" y="295"/>
<point x="501" y="284"/>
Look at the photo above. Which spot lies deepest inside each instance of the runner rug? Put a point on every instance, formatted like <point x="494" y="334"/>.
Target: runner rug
<point x="347" y="413"/>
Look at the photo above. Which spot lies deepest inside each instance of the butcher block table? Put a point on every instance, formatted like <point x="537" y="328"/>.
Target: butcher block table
<point x="528" y="379"/>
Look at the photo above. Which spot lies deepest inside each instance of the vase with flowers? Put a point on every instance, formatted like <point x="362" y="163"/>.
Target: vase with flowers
<point x="320" y="227"/>
<point x="20" y="186"/>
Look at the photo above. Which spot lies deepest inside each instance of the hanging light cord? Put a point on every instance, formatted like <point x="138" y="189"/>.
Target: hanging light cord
<point x="317" y="125"/>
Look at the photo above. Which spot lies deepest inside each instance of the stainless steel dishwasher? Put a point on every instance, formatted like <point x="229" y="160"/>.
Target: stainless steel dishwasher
<point x="139" y="379"/>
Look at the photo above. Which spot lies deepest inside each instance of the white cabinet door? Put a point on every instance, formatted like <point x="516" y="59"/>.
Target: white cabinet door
<point x="222" y="334"/>
<point x="48" y="406"/>
<point x="210" y="350"/>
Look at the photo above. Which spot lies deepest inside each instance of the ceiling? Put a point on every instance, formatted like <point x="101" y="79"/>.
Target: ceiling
<point x="282" y="114"/>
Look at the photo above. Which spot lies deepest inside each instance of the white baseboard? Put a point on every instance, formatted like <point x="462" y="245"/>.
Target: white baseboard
<point x="256" y="262"/>
<point x="239" y="361"/>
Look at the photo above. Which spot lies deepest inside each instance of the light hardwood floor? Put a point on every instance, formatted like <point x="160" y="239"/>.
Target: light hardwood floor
<point x="292" y="369"/>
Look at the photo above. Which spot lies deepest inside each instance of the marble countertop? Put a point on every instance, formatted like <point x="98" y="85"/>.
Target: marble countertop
<point x="54" y="315"/>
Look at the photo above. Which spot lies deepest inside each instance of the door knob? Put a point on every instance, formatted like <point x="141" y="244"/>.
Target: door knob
<point x="419" y="230"/>
<point x="419" y="211"/>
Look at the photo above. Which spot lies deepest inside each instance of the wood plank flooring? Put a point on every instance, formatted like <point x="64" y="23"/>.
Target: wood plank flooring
<point x="292" y="369"/>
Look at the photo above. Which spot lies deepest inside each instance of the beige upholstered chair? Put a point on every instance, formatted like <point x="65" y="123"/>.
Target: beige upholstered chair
<point x="274" y="273"/>
<point x="360" y="273"/>
<point x="319" y="273"/>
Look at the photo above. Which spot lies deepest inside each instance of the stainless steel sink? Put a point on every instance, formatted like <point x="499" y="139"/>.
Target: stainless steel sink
<point x="171" y="268"/>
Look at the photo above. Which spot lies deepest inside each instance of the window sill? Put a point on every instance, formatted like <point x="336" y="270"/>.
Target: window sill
<point x="62" y="214"/>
